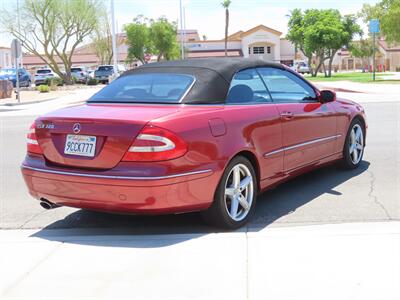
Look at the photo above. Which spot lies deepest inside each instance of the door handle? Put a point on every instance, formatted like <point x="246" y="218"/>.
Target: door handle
<point x="287" y="115"/>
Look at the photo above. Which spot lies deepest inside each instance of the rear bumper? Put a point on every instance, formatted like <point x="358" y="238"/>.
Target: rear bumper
<point x="169" y="193"/>
<point x="40" y="81"/>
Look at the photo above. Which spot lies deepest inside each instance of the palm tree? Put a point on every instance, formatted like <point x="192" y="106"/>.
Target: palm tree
<point x="225" y="4"/>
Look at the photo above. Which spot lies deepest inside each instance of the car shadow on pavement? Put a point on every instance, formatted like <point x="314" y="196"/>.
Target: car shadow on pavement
<point x="82" y="227"/>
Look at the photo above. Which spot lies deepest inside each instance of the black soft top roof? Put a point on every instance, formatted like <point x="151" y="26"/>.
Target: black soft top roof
<point x="213" y="75"/>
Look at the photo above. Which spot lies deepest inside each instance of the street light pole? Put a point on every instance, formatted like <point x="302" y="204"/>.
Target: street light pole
<point x="20" y="63"/>
<point x="113" y="40"/>
<point x="373" y="62"/>
<point x="181" y="21"/>
<point x="184" y="32"/>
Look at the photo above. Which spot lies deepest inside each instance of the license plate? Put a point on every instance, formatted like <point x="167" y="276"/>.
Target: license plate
<point x="83" y="145"/>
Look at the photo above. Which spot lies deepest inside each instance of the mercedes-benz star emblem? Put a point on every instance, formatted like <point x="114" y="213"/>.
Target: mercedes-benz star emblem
<point x="76" y="128"/>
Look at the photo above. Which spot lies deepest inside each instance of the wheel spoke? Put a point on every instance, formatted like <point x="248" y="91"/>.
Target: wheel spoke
<point x="359" y="146"/>
<point x="352" y="148"/>
<point x="245" y="182"/>
<point x="243" y="202"/>
<point x="236" y="177"/>
<point x="353" y="137"/>
<point x="358" y="134"/>
<point x="234" y="207"/>
<point x="230" y="192"/>
<point x="355" y="155"/>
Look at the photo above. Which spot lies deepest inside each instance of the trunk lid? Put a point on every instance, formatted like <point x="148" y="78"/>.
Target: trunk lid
<point x="114" y="127"/>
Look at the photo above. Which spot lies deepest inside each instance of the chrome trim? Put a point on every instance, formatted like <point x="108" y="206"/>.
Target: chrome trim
<point x="302" y="144"/>
<point x="114" y="176"/>
<point x="274" y="152"/>
<point x="189" y="88"/>
<point x="168" y="144"/>
<point x="31" y="141"/>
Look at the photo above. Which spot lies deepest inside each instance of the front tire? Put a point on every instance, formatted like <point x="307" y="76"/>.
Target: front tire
<point x="235" y="197"/>
<point x="353" y="149"/>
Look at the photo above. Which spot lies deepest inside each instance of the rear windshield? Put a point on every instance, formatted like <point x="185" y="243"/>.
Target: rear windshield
<point x="105" y="68"/>
<point x="146" y="88"/>
<point x="76" y="69"/>
<point x="43" y="71"/>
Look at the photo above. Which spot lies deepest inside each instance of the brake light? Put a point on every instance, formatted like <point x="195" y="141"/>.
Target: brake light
<point x="32" y="143"/>
<point x="155" y="144"/>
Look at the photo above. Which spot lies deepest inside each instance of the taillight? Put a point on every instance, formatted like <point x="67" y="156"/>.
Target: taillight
<point x="155" y="144"/>
<point x="32" y="143"/>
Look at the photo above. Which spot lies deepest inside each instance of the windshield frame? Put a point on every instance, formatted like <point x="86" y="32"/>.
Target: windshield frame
<point x="178" y="101"/>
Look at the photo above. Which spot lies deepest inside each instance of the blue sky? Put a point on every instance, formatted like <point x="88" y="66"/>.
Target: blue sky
<point x="207" y="16"/>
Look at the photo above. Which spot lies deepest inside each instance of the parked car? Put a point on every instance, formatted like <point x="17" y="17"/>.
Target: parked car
<point x="42" y="75"/>
<point x="203" y="135"/>
<point x="103" y="73"/>
<point x="301" y="67"/>
<point x="80" y="73"/>
<point x="25" y="78"/>
<point x="91" y="73"/>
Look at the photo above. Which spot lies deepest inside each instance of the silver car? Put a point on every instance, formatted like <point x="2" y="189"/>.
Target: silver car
<point x="42" y="75"/>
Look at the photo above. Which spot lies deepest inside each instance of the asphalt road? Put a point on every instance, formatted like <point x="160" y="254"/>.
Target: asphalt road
<point x="327" y="195"/>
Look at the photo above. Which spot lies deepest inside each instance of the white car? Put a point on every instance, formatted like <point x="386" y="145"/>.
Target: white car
<point x="301" y="67"/>
<point x="42" y="75"/>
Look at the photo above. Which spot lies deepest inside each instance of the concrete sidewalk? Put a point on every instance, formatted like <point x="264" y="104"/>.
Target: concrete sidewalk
<point x="38" y="108"/>
<point x="357" y="87"/>
<point x="34" y="96"/>
<point x="342" y="261"/>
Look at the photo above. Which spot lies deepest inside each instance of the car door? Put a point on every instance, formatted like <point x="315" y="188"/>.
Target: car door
<point x="308" y="126"/>
<point x="249" y="109"/>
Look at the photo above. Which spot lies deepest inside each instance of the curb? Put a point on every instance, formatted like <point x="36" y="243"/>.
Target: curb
<point x="27" y="103"/>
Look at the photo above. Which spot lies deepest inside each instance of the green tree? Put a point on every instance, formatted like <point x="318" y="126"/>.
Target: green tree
<point x="138" y="39"/>
<point x="388" y="12"/>
<point x="320" y="34"/>
<point x="296" y="34"/>
<point x="363" y="49"/>
<point x="340" y="33"/>
<point x="102" y="39"/>
<point x="52" y="29"/>
<point x="225" y="4"/>
<point x="163" y="39"/>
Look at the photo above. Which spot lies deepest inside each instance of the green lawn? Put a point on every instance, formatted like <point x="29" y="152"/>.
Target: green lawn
<point x="354" y="77"/>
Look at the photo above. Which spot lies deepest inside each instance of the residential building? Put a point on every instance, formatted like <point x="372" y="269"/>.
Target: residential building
<point x="257" y="42"/>
<point x="387" y="58"/>
<point x="5" y="57"/>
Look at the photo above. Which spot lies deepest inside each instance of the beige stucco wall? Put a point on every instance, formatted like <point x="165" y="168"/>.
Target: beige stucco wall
<point x="211" y="46"/>
<point x="287" y="50"/>
<point x="262" y="36"/>
<point x="5" y="58"/>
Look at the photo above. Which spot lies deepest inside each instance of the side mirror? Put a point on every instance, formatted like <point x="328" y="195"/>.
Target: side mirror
<point x="326" y="96"/>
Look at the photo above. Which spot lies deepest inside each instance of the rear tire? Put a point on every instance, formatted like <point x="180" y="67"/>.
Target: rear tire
<point x="235" y="197"/>
<point x="353" y="149"/>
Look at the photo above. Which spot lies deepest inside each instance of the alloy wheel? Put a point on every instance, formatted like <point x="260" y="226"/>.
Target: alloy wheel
<point x="239" y="192"/>
<point x="356" y="144"/>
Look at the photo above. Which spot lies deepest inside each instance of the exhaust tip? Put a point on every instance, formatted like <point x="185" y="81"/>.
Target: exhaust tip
<point x="46" y="204"/>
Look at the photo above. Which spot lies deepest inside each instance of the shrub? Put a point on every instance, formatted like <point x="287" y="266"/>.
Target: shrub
<point x="54" y="81"/>
<point x="74" y="79"/>
<point x="397" y="69"/>
<point x="92" y="81"/>
<point x="43" y="88"/>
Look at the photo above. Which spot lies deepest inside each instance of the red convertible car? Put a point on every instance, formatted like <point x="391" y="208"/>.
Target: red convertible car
<point x="203" y="135"/>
